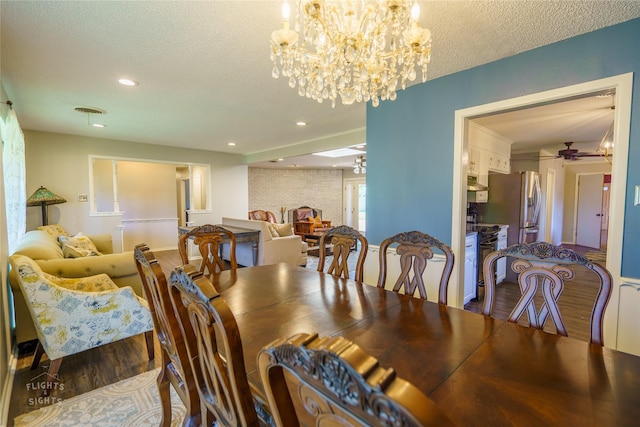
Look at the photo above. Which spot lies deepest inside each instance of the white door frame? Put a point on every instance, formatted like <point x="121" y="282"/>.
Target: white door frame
<point x="549" y="206"/>
<point x="623" y="85"/>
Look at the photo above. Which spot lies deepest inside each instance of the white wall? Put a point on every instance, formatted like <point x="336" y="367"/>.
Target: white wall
<point x="60" y="163"/>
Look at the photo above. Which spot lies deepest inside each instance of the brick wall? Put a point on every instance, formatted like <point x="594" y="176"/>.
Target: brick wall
<point x="271" y="189"/>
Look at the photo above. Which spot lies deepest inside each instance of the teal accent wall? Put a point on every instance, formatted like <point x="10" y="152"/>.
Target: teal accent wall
<point x="410" y="140"/>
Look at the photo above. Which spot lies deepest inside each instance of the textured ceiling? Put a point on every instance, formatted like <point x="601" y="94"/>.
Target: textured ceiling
<point x="205" y="73"/>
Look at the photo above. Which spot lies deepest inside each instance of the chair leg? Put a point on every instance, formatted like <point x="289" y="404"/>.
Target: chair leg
<point x="37" y="356"/>
<point x="148" y="336"/>
<point x="54" y="367"/>
<point x="165" y="396"/>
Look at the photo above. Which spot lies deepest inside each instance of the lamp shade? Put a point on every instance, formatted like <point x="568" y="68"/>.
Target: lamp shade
<point x="43" y="197"/>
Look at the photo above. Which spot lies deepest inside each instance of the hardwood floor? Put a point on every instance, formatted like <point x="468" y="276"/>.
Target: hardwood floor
<point x="84" y="371"/>
<point x="123" y="359"/>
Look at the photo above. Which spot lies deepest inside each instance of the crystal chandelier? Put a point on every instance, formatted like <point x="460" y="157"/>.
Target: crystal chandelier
<point x="362" y="50"/>
<point x="360" y="165"/>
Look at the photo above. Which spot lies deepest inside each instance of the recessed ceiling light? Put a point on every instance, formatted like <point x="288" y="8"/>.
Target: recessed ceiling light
<point x="128" y="82"/>
<point x="231" y="144"/>
<point x="99" y="125"/>
<point x="301" y="123"/>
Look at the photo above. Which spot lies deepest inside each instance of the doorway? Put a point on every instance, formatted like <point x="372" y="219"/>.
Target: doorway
<point x="623" y="86"/>
<point x="354" y="202"/>
<point x="589" y="223"/>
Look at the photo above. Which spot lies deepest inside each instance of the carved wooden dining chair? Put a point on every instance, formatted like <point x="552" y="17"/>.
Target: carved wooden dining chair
<point x="415" y="249"/>
<point x="176" y="368"/>
<point x="544" y="268"/>
<point x="216" y="357"/>
<point x="331" y="381"/>
<point x="209" y="240"/>
<point x="342" y="240"/>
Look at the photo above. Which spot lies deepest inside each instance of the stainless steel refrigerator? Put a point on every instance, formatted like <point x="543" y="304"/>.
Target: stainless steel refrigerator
<point x="514" y="199"/>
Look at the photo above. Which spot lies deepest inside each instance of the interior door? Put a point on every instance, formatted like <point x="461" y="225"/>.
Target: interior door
<point x="355" y="193"/>
<point x="589" y="215"/>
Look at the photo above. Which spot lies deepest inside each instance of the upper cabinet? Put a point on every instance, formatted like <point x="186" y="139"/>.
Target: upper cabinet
<point x="488" y="152"/>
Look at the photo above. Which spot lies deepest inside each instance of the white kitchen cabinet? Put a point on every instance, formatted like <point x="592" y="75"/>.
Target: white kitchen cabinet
<point x="497" y="162"/>
<point x="470" y="267"/>
<point x="501" y="264"/>
<point x="488" y="151"/>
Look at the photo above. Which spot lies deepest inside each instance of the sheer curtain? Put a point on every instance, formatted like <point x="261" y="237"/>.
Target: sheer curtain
<point x="15" y="192"/>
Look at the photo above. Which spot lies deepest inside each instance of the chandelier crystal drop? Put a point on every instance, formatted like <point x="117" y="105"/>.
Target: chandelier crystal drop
<point x="360" y="50"/>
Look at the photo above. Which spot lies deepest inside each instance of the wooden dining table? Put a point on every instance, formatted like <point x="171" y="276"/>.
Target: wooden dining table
<point x="481" y="371"/>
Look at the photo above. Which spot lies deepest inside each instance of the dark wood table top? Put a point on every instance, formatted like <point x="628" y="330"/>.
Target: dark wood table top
<point x="480" y="370"/>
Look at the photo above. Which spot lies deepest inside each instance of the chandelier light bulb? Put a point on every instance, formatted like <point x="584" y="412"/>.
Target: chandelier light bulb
<point x="354" y="51"/>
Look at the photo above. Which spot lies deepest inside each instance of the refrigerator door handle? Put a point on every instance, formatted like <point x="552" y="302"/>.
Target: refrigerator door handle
<point x="537" y="198"/>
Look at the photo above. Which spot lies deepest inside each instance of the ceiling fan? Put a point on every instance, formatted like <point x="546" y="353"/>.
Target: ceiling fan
<point x="573" y="154"/>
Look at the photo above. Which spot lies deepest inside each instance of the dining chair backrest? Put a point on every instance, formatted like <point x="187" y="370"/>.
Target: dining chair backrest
<point x="331" y="381"/>
<point x="176" y="368"/>
<point x="343" y="240"/>
<point x="543" y="268"/>
<point x="209" y="240"/>
<point x="415" y="249"/>
<point x="217" y="361"/>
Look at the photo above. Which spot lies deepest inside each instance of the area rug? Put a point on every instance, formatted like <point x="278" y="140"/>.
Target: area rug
<point x="597" y="256"/>
<point x="131" y="402"/>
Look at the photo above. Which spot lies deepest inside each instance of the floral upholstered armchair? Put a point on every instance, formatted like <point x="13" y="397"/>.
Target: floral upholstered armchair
<point x="74" y="315"/>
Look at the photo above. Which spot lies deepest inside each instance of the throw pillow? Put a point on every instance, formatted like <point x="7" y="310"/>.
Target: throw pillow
<point x="283" y="229"/>
<point x="73" y="252"/>
<point x="54" y="230"/>
<point x="272" y="230"/>
<point x="78" y="245"/>
<point x="317" y="222"/>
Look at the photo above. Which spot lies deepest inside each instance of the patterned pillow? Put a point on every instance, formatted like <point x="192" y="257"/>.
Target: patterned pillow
<point x="55" y="230"/>
<point x="272" y="230"/>
<point x="78" y="246"/>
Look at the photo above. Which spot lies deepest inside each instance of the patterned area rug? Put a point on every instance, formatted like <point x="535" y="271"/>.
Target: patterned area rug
<point x="130" y="402"/>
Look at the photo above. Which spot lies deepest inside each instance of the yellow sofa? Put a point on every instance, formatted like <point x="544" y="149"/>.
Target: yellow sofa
<point x="45" y="250"/>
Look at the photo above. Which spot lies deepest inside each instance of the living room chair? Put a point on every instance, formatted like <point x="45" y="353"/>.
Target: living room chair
<point x="209" y="240"/>
<point x="74" y="315"/>
<point x="342" y="240"/>
<point x="415" y="249"/>
<point x="176" y="369"/>
<point x="216" y="357"/>
<point x="307" y="220"/>
<point x="332" y="381"/>
<point x="260" y="215"/>
<point x="545" y="268"/>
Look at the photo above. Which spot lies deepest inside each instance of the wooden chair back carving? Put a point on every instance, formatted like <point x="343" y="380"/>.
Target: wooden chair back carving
<point x="343" y="238"/>
<point x="415" y="249"/>
<point x="209" y="240"/>
<point x="332" y="381"/>
<point x="260" y="215"/>
<point x="207" y="321"/>
<point x="547" y="267"/>
<point x="176" y="368"/>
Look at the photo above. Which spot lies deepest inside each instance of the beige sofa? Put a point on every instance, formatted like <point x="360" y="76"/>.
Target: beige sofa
<point x="43" y="248"/>
<point x="271" y="250"/>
